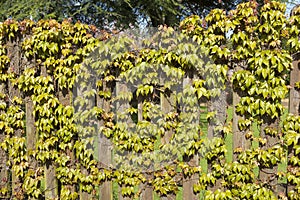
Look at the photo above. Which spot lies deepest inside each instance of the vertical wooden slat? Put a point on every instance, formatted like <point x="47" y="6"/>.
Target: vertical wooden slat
<point x="50" y="181"/>
<point x="218" y="105"/>
<point x="166" y="107"/>
<point x="90" y="104"/>
<point x="4" y="178"/>
<point x="51" y="189"/>
<point x="294" y="104"/>
<point x="188" y="182"/>
<point x="64" y="98"/>
<point x="147" y="193"/>
<point x="31" y="135"/>
<point x="210" y="136"/>
<point x="121" y="107"/>
<point x="30" y="132"/>
<point x="239" y="140"/>
<point x="16" y="186"/>
<point x="104" y="150"/>
<point x="268" y="175"/>
<point x="13" y="52"/>
<point x="294" y="99"/>
<point x="120" y="88"/>
<point x="105" y="157"/>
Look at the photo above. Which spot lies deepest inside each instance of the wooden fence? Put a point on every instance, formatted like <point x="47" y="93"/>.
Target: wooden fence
<point x="104" y="149"/>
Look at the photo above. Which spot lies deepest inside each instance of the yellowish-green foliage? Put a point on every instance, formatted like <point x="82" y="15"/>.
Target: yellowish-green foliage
<point x="255" y="44"/>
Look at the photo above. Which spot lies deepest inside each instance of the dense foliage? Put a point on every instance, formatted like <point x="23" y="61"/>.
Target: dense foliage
<point x="105" y="13"/>
<point x="81" y="85"/>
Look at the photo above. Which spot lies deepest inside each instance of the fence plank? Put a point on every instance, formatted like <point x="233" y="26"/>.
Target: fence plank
<point x="147" y="191"/>
<point x="65" y="99"/>
<point x="87" y="123"/>
<point x="4" y="178"/>
<point x="121" y="108"/>
<point x="104" y="149"/>
<point x="31" y="135"/>
<point x="294" y="105"/>
<point x="30" y="132"/>
<point x="239" y="140"/>
<point x="268" y="175"/>
<point x="188" y="182"/>
<point x="166" y="107"/>
<point x="218" y="105"/>
<point x="294" y="99"/>
<point x="51" y="184"/>
<point x="104" y="153"/>
<point x="13" y="52"/>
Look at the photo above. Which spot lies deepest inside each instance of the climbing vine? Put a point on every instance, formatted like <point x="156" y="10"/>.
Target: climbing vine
<point x="66" y="88"/>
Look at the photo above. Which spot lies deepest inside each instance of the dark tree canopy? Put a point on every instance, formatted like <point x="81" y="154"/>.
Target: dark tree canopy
<point x="113" y="13"/>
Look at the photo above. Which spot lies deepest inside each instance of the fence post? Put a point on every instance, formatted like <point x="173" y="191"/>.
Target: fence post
<point x="104" y="149"/>
<point x="294" y="99"/>
<point x="51" y="189"/>
<point x="65" y="99"/>
<point x="4" y="178"/>
<point x="268" y="175"/>
<point x="166" y="106"/>
<point x="121" y="107"/>
<point x="147" y="193"/>
<point x="239" y="139"/>
<point x="188" y="182"/>
<point x="218" y="105"/>
<point x="13" y="52"/>
<point x="294" y="103"/>
<point x="30" y="132"/>
<point x="83" y="195"/>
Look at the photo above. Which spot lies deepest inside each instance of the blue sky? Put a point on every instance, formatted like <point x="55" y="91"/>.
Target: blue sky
<point x="291" y="4"/>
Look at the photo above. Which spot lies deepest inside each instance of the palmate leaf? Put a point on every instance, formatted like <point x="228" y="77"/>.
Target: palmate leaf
<point x="152" y="73"/>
